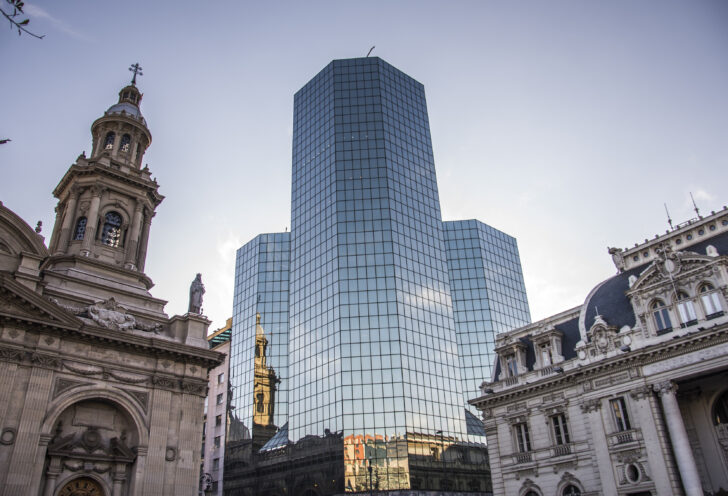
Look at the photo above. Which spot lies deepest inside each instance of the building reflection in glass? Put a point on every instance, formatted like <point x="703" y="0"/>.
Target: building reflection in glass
<point x="351" y="379"/>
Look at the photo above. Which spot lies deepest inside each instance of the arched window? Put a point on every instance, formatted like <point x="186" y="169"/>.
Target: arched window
<point x="571" y="490"/>
<point x="531" y="493"/>
<point x="80" y="229"/>
<point x="711" y="300"/>
<point x="662" y="317"/>
<point x="686" y="308"/>
<point x="125" y="143"/>
<point x="720" y="409"/>
<point x="109" y="140"/>
<point x="111" y="234"/>
<point x="261" y="402"/>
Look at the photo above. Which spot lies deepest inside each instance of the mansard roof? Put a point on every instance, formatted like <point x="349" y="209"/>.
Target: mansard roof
<point x="609" y="298"/>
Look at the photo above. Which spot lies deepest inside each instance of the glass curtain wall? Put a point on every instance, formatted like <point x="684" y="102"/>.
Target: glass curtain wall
<point x="488" y="295"/>
<point x="259" y="348"/>
<point x="348" y="350"/>
<point x="373" y="349"/>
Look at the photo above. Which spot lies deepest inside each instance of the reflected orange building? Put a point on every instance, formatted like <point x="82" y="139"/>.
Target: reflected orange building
<point x="264" y="390"/>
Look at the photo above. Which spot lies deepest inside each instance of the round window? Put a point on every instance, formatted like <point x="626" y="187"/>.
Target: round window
<point x="678" y="241"/>
<point x="632" y="472"/>
<point x="689" y="236"/>
<point x="712" y="227"/>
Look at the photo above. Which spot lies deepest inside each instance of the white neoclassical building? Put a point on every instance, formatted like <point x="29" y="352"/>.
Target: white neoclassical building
<point x="101" y="392"/>
<point x="626" y="394"/>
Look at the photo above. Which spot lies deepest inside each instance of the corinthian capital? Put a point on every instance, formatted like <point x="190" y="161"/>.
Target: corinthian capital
<point x="97" y="190"/>
<point x="665" y="387"/>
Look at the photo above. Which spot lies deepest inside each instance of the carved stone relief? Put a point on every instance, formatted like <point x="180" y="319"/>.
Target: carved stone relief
<point x="110" y="315"/>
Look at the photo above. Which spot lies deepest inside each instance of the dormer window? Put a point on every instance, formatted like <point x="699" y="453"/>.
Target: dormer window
<point x="111" y="234"/>
<point x="661" y="316"/>
<point x="686" y="309"/>
<point x="545" y="353"/>
<point x="547" y="347"/>
<point x="109" y="140"/>
<point x="711" y="301"/>
<point x="512" y="359"/>
<point x="511" y="365"/>
<point x="125" y="143"/>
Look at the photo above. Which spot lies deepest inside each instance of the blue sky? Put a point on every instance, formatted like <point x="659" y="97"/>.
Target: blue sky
<point x="566" y="124"/>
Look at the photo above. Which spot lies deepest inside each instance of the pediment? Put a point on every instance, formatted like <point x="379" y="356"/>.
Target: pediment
<point x="17" y="302"/>
<point x="672" y="267"/>
<point x="91" y="445"/>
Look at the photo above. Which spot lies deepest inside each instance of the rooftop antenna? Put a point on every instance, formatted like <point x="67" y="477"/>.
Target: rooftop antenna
<point x="669" y="220"/>
<point x="694" y="205"/>
<point x="370" y="50"/>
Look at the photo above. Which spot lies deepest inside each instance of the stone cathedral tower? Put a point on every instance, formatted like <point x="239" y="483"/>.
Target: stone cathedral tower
<point x="105" y="209"/>
<point x="101" y="392"/>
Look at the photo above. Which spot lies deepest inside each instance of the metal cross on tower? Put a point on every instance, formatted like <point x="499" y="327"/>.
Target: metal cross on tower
<point x="136" y="69"/>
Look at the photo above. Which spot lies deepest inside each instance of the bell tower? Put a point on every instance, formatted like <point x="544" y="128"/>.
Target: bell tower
<point x="106" y="203"/>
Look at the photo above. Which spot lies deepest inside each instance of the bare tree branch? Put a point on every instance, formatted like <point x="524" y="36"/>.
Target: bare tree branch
<point x="19" y="24"/>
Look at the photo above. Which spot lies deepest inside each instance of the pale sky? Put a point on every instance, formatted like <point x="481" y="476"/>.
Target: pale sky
<point x="566" y="124"/>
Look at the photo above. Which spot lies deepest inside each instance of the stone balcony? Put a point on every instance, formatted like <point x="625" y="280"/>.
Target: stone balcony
<point x="624" y="439"/>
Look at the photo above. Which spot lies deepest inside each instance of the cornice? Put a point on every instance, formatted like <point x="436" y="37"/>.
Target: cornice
<point x="94" y="168"/>
<point x="118" y="373"/>
<point x="645" y="356"/>
<point x="141" y="276"/>
<point x="119" y="339"/>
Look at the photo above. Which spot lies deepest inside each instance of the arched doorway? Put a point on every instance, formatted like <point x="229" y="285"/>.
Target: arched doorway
<point x="91" y="449"/>
<point x="81" y="486"/>
<point x="720" y="421"/>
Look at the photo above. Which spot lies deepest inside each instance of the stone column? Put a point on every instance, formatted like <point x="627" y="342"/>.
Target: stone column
<point x="136" y="482"/>
<point x="679" y="438"/>
<point x="602" y="461"/>
<point x="25" y="470"/>
<point x="93" y="220"/>
<point x="155" y="472"/>
<point x="54" y="470"/>
<point x="142" y="258"/>
<point x="68" y="217"/>
<point x="118" y="478"/>
<point x="131" y="248"/>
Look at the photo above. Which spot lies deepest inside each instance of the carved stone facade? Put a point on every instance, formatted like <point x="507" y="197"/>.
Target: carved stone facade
<point x="631" y="395"/>
<point x="100" y="391"/>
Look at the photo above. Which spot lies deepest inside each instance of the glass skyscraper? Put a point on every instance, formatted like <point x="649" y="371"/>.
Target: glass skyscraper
<point x="359" y="335"/>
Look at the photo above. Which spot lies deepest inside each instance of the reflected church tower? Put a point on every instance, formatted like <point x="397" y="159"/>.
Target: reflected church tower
<point x="264" y="390"/>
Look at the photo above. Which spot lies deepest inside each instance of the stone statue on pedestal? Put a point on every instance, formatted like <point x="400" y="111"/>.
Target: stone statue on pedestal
<point x="197" y="289"/>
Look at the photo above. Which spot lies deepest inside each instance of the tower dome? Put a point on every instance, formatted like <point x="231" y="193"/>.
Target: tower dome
<point x="129" y="100"/>
<point x="122" y="133"/>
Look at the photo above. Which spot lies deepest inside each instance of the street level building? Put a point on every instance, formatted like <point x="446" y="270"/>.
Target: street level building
<point x="214" y="432"/>
<point x="101" y="392"/>
<point x="626" y="394"/>
<point x="357" y="333"/>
